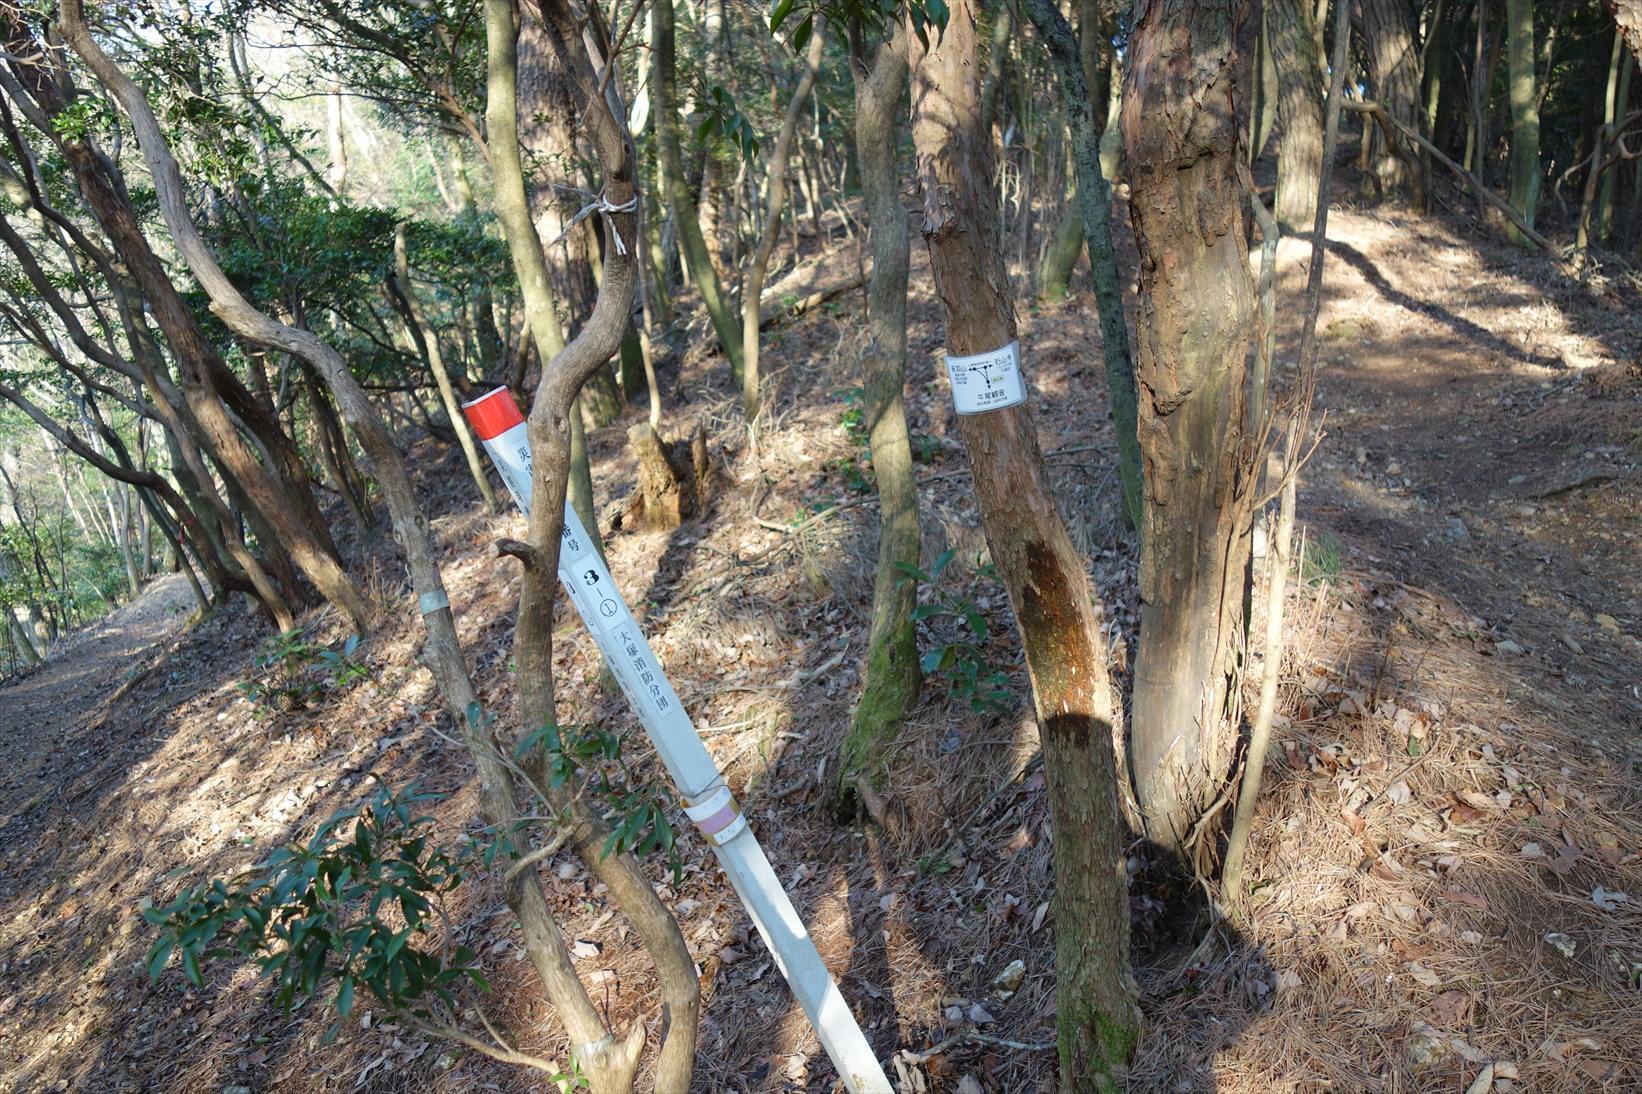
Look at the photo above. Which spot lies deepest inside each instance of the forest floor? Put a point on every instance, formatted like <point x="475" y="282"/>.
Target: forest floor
<point x="1441" y="858"/>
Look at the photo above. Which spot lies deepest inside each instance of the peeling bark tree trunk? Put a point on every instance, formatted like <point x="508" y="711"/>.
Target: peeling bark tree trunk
<point x="1300" y="109"/>
<point x="892" y="674"/>
<point x="1066" y="654"/>
<point x="1193" y="323"/>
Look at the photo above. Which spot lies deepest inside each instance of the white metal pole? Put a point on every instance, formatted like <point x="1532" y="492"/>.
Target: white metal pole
<point x="707" y="800"/>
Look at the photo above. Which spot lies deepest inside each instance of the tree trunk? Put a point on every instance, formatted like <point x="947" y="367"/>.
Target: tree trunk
<point x="752" y="285"/>
<point x="608" y="1064"/>
<point x="23" y="641"/>
<point x="128" y="554"/>
<point x="428" y="340"/>
<point x="892" y="677"/>
<point x="1061" y="257"/>
<point x="1617" y="100"/>
<point x="1095" y="207"/>
<point x="1066" y="655"/>
<point x="333" y="453"/>
<point x="601" y="398"/>
<point x="1300" y="108"/>
<point x="1387" y="28"/>
<point x="1526" y="175"/>
<point x="547" y="138"/>
<point x="581" y="475"/>
<point x="1193" y="321"/>
<point x="680" y="202"/>
<point x="1266" y="90"/>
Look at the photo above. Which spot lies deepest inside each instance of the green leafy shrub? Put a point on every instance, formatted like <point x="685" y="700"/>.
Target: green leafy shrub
<point x="352" y="906"/>
<point x="636" y="811"/>
<point x="961" y="657"/>
<point x="291" y="673"/>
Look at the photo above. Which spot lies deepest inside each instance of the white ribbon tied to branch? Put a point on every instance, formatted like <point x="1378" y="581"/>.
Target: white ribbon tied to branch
<point x="601" y="205"/>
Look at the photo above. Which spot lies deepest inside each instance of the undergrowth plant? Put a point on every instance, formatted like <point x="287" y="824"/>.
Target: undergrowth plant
<point x="352" y="907"/>
<point x="291" y="673"/>
<point x="360" y="907"/>
<point x="636" y="810"/>
<point x="960" y="657"/>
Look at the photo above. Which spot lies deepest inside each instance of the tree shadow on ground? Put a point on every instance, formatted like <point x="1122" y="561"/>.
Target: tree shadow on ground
<point x="1462" y="327"/>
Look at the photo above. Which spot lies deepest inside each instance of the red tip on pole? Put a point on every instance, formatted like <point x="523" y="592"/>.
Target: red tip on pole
<point x="493" y="413"/>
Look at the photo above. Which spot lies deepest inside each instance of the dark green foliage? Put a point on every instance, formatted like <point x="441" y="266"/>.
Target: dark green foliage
<point x="637" y="812"/>
<point x="961" y="625"/>
<point x="290" y="673"/>
<point x="352" y="906"/>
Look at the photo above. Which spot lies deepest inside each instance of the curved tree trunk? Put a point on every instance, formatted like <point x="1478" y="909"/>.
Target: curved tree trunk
<point x="1193" y="322"/>
<point x="892" y="678"/>
<point x="565" y="369"/>
<point x="1066" y="654"/>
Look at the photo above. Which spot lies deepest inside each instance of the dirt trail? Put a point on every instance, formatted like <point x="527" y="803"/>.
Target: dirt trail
<point x="45" y="707"/>
<point x="1485" y="444"/>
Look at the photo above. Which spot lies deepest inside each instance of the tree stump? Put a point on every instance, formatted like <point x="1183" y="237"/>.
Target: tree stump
<point x="675" y="478"/>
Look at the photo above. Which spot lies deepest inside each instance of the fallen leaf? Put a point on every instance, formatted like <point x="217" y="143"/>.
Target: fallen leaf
<point x="1463" y="814"/>
<point x="1460" y="896"/>
<point x="1424" y="975"/>
<point x="1564" y="945"/>
<point x="1449" y="1008"/>
<point x="1399" y="793"/>
<point x="1566" y="856"/>
<point x="1483" y="1083"/>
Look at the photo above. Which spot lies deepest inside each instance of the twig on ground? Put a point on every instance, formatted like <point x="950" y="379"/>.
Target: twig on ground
<point x="971" y="1034"/>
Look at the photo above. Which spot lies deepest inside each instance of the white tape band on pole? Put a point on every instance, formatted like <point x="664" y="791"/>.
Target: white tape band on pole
<point x="987" y="381"/>
<point x="708" y="802"/>
<point x="718" y="815"/>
